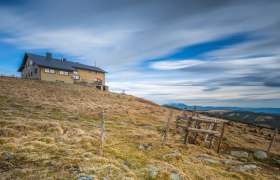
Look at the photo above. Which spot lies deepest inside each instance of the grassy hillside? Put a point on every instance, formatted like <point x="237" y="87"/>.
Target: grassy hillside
<point x="51" y="131"/>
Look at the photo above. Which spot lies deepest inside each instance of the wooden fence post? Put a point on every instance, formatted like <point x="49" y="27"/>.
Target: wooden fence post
<point x="208" y="126"/>
<point x="195" y="113"/>
<point x="102" y="127"/>
<point x="167" y="128"/>
<point x="184" y="112"/>
<point x="176" y="123"/>
<point x="221" y="137"/>
<point x="272" y="140"/>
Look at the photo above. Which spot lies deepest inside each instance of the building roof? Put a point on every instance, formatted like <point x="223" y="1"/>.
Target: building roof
<point x="57" y="63"/>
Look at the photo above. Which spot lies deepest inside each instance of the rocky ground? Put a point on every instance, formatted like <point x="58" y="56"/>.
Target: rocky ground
<point x="51" y="131"/>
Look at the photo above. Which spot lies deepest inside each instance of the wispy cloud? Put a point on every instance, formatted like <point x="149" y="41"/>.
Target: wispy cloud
<point x="168" y="65"/>
<point x="201" y="52"/>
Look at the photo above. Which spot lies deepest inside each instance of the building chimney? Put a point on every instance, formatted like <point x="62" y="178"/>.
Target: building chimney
<point x="48" y="56"/>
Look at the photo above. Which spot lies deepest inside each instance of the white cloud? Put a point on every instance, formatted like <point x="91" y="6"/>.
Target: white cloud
<point x="168" y="65"/>
<point x="120" y="35"/>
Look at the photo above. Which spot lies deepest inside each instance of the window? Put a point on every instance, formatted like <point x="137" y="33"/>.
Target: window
<point x="51" y="71"/>
<point x="35" y="71"/>
<point x="31" y="74"/>
<point x="64" y="73"/>
<point x="76" y="77"/>
<point x="75" y="72"/>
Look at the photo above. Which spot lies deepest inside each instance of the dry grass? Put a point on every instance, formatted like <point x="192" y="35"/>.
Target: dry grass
<point x="52" y="129"/>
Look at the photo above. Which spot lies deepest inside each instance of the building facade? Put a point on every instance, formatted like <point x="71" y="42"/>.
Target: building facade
<point x="60" y="70"/>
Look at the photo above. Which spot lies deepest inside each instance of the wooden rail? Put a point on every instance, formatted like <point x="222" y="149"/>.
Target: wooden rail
<point x="198" y="130"/>
<point x="211" y="120"/>
<point x="209" y="131"/>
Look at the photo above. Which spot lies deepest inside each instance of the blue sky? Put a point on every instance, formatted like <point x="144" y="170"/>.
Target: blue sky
<point x="214" y="53"/>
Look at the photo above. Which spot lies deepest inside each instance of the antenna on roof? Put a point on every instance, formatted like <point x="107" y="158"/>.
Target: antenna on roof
<point x="48" y="55"/>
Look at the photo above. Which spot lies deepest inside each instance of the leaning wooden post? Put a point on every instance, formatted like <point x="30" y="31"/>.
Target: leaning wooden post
<point x="221" y="137"/>
<point x="272" y="140"/>
<point x="176" y="124"/>
<point x="167" y="128"/>
<point x="215" y="126"/>
<point x="102" y="127"/>
<point x="208" y="126"/>
<point x="197" y="126"/>
<point x="195" y="111"/>
<point x="184" y="112"/>
<point x="186" y="139"/>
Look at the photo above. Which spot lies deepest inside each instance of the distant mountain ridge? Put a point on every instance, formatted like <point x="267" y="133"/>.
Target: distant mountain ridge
<point x="266" y="117"/>
<point x="209" y="108"/>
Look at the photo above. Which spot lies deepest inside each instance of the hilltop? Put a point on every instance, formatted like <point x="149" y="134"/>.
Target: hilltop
<point x="51" y="130"/>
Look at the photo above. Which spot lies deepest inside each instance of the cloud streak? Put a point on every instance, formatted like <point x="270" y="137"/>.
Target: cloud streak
<point x="200" y="52"/>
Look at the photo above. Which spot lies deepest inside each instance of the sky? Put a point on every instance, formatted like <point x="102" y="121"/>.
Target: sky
<point x="199" y="52"/>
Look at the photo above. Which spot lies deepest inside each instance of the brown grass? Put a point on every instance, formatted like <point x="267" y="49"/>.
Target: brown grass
<point x="55" y="129"/>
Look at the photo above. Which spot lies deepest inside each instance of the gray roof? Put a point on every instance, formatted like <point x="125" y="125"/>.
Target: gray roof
<point x="56" y="63"/>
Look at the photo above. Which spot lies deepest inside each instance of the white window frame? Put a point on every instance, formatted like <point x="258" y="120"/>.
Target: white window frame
<point x="52" y="71"/>
<point x="64" y="73"/>
<point x="75" y="72"/>
<point x="76" y="77"/>
<point x="47" y="70"/>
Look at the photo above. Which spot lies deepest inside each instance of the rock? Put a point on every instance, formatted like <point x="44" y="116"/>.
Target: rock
<point x="7" y="155"/>
<point x="10" y="111"/>
<point x="260" y="154"/>
<point x="247" y="167"/>
<point x="153" y="171"/>
<point x="145" y="147"/>
<point x="207" y="160"/>
<point x="147" y="127"/>
<point x="123" y="123"/>
<point x="173" y="155"/>
<point x="228" y="161"/>
<point x="239" y="154"/>
<point x="127" y="163"/>
<point x="276" y="161"/>
<point x="174" y="176"/>
<point x="77" y="169"/>
<point x="86" y="178"/>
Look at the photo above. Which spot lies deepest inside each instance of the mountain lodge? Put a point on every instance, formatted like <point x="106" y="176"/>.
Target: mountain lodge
<point x="60" y="70"/>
